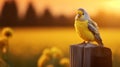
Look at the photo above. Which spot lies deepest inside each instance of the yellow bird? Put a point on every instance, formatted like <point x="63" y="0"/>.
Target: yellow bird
<point x="86" y="27"/>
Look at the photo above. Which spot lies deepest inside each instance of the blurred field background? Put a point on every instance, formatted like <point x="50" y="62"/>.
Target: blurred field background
<point x="41" y="24"/>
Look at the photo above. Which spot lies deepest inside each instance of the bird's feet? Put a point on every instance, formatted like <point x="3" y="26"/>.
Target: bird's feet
<point x="83" y="42"/>
<point x="89" y="42"/>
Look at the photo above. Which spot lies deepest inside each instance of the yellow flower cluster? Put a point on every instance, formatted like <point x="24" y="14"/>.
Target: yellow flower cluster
<point x="53" y="58"/>
<point x="7" y="32"/>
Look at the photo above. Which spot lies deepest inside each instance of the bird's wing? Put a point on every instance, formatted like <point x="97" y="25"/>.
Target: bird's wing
<point x="94" y="29"/>
<point x="93" y="23"/>
<point x="92" y="26"/>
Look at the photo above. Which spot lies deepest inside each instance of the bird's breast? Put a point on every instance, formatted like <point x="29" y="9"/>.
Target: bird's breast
<point x="81" y="25"/>
<point x="81" y="28"/>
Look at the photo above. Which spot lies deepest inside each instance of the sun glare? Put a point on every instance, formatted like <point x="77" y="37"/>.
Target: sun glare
<point x="112" y="6"/>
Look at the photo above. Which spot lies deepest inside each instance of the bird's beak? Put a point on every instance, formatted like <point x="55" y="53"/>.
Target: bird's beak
<point x="78" y="15"/>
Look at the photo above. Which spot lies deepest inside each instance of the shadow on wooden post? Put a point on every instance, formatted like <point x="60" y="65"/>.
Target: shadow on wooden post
<point x="90" y="55"/>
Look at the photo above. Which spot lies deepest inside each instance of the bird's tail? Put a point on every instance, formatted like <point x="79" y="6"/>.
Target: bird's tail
<point x="99" y="40"/>
<point x="100" y="43"/>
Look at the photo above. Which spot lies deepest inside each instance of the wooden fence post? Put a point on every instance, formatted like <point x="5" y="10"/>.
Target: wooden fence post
<point x="90" y="55"/>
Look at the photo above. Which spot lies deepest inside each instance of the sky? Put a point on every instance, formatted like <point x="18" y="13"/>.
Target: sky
<point x="66" y="7"/>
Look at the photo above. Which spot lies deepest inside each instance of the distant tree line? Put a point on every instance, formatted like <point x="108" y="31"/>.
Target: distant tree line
<point x="9" y="17"/>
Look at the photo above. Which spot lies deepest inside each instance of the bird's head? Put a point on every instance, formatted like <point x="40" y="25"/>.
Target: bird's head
<point x="81" y="13"/>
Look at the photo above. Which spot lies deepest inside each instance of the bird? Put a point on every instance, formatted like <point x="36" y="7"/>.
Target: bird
<point x="86" y="27"/>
